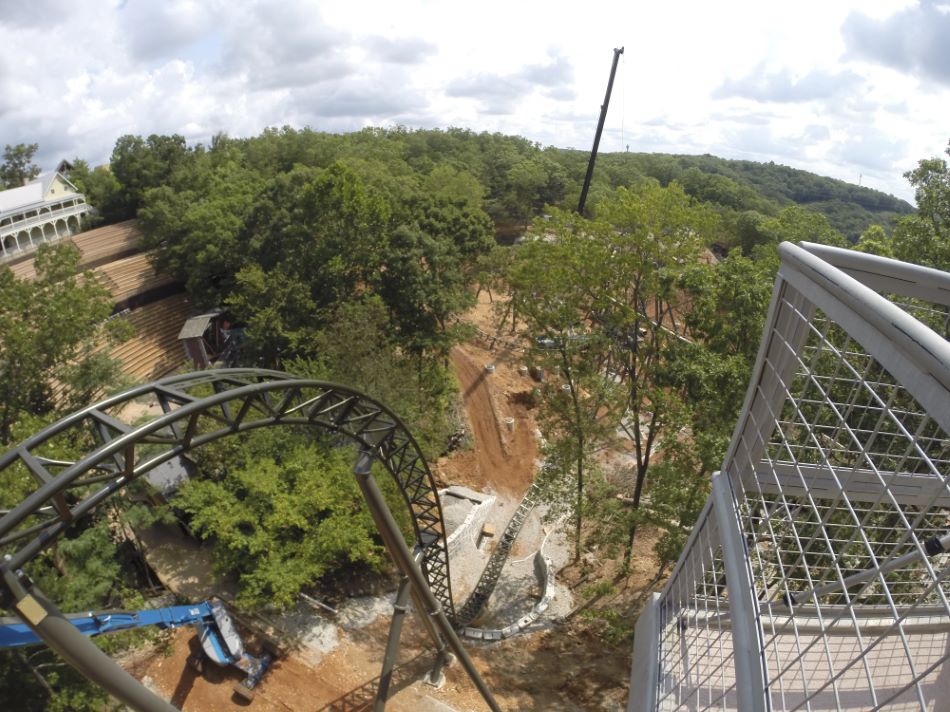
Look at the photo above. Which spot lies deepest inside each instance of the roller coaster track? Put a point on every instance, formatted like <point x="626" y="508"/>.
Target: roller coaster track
<point x="201" y="407"/>
<point x="489" y="578"/>
<point x="198" y="408"/>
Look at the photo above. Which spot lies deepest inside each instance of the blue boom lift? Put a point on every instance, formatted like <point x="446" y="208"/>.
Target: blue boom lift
<point x="220" y="641"/>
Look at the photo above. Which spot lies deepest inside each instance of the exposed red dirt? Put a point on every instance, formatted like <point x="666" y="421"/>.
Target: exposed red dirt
<point x="503" y="459"/>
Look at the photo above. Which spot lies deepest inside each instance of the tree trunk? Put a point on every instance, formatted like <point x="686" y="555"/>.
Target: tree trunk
<point x="638" y="491"/>
<point x="579" y="425"/>
<point x="643" y="448"/>
<point x="580" y="499"/>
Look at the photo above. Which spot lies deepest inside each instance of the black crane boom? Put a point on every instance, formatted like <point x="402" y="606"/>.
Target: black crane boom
<point x="600" y="129"/>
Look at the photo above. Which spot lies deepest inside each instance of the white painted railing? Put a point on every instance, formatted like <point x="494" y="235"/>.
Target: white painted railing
<point x="43" y="218"/>
<point x="28" y="224"/>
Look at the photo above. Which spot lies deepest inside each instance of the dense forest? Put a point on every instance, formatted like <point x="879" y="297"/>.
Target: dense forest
<point x="352" y="258"/>
<point x="510" y="177"/>
<point x="765" y="188"/>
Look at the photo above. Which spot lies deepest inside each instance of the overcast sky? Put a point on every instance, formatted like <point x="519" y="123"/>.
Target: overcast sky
<point x="854" y="89"/>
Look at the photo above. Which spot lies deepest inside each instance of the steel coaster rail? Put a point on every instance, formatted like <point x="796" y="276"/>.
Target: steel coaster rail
<point x="198" y="408"/>
<point x="489" y="578"/>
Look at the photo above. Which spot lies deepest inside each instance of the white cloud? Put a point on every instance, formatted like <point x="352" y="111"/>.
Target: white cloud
<point x="160" y="30"/>
<point x="783" y="86"/>
<point x="845" y="89"/>
<point x="913" y="40"/>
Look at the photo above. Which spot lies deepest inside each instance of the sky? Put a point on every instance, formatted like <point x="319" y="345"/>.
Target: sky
<point x="854" y="89"/>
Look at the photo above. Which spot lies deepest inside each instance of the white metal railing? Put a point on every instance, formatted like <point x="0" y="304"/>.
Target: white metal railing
<point x="42" y="218"/>
<point x="816" y="577"/>
<point x="9" y="251"/>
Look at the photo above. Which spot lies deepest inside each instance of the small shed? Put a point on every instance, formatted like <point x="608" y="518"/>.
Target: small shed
<point x="202" y="338"/>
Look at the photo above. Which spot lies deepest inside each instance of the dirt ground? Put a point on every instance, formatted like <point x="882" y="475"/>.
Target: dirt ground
<point x="505" y="452"/>
<point x="566" y="668"/>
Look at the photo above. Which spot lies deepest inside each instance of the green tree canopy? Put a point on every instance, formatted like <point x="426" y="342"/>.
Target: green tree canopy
<point x="427" y="271"/>
<point x="282" y="511"/>
<point x="139" y="164"/>
<point x="876" y="241"/>
<point x="51" y="328"/>
<point x="18" y="167"/>
<point x="605" y="297"/>
<point x="102" y="190"/>
<point x="924" y="238"/>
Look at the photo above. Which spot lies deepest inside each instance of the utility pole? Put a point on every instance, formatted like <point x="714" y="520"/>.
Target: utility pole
<point x="600" y="129"/>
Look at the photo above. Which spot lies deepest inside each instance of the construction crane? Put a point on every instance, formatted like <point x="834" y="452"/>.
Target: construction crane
<point x="600" y="130"/>
<point x="220" y="641"/>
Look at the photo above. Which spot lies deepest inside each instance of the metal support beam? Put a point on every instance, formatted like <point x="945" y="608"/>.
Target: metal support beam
<point x="442" y="656"/>
<point x="405" y="562"/>
<point x="644" y="673"/>
<point x="934" y="546"/>
<point x="76" y="649"/>
<point x="392" y="644"/>
<point x="743" y="608"/>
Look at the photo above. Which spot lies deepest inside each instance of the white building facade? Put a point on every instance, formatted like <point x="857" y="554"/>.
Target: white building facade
<point x="46" y="209"/>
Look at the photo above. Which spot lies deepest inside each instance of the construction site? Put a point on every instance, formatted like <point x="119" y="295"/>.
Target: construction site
<point x="782" y="599"/>
<point x="501" y="546"/>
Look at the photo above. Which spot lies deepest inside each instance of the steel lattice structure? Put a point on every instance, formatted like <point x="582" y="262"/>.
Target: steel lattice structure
<point x="199" y="408"/>
<point x="817" y="575"/>
<point x="496" y="563"/>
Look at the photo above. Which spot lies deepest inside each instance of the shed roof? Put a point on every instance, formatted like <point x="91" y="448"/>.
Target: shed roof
<point x="170" y="475"/>
<point x="195" y="327"/>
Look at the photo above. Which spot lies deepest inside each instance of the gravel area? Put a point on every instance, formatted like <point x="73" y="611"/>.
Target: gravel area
<point x="518" y="590"/>
<point x="317" y="633"/>
<point x="465" y="570"/>
<point x="359" y="612"/>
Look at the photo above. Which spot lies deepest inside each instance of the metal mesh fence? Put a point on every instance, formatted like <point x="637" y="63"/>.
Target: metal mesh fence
<point x="698" y="622"/>
<point x="833" y="507"/>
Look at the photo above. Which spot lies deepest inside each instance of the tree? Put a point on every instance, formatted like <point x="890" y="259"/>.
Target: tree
<point x="924" y="238"/>
<point x="657" y="233"/>
<point x="798" y="224"/>
<point x="195" y="229"/>
<point x="455" y="184"/>
<point x="751" y="232"/>
<point x="427" y="270"/>
<point x="876" y="242"/>
<point x="102" y="190"/>
<point x="552" y="282"/>
<point x="727" y="305"/>
<point x="604" y="296"/>
<point x="282" y="512"/>
<point x="139" y="164"/>
<point x="279" y="315"/>
<point x="727" y="302"/>
<point x="359" y="346"/>
<point x="533" y="183"/>
<point x="52" y="329"/>
<point x="313" y="240"/>
<point x="17" y="167"/>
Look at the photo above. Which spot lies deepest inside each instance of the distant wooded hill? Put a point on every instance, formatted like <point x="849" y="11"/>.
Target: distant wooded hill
<point x="745" y="185"/>
<point x="510" y="177"/>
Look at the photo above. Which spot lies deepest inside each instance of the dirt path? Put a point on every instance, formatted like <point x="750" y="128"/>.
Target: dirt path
<point x="504" y="460"/>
